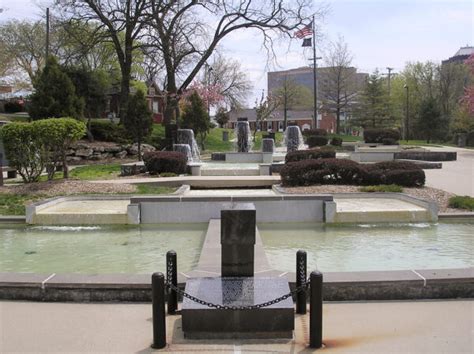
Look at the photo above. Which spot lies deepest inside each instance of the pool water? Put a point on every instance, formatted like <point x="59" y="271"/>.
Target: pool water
<point x="98" y="249"/>
<point x="366" y="247"/>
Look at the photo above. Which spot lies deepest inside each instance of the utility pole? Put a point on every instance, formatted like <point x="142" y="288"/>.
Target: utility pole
<point x="47" y="34"/>
<point x="389" y="75"/>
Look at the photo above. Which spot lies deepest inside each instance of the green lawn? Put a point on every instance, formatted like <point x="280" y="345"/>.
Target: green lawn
<point x="145" y="188"/>
<point x="14" y="204"/>
<point x="459" y="202"/>
<point x="93" y="172"/>
<point x="348" y="138"/>
<point x="14" y="117"/>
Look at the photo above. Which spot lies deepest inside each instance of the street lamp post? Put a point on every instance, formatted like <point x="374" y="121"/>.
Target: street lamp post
<point x="407" y="119"/>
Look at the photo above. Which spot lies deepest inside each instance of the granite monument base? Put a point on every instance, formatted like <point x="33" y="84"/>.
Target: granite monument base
<point x="203" y="322"/>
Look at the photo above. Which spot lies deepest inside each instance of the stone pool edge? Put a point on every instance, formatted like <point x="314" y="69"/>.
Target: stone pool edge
<point x="338" y="286"/>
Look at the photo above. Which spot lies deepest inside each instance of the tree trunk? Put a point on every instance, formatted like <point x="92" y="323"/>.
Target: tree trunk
<point x="124" y="92"/>
<point x="65" y="167"/>
<point x="338" y="120"/>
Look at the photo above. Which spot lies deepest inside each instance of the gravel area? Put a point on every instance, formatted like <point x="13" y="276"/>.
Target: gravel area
<point x="67" y="187"/>
<point x="438" y="196"/>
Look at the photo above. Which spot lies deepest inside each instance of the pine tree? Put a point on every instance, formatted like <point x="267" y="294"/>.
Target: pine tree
<point x="373" y="110"/>
<point x="55" y="94"/>
<point x="139" y="121"/>
<point x="430" y="122"/>
<point x="195" y="117"/>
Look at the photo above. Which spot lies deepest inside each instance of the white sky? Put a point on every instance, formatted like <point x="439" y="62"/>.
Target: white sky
<point x="379" y="33"/>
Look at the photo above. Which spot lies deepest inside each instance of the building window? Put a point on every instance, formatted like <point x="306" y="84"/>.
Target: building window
<point x="156" y="107"/>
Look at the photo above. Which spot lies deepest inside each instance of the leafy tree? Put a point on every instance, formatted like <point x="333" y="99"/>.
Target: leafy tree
<point x="25" y="150"/>
<point x="57" y="136"/>
<point x="55" y="94"/>
<point x="138" y="121"/>
<point x="222" y="116"/>
<point x="430" y="122"/>
<point x="195" y="117"/>
<point x="373" y="110"/>
<point x="24" y="42"/>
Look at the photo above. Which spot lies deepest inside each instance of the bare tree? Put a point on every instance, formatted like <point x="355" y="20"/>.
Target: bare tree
<point x="234" y="84"/>
<point x="264" y="109"/>
<point x="339" y="86"/>
<point x="291" y="95"/>
<point x="123" y="21"/>
<point x="187" y="33"/>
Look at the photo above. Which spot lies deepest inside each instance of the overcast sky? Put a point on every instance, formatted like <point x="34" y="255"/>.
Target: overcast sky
<point x="379" y="33"/>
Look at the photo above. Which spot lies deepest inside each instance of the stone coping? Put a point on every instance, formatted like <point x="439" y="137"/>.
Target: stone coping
<point x="338" y="286"/>
<point x="243" y="198"/>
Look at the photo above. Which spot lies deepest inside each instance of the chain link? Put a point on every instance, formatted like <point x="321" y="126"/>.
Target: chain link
<point x="304" y="286"/>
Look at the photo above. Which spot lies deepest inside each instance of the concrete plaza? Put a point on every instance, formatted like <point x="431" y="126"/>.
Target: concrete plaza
<point x="362" y="327"/>
<point x="456" y="176"/>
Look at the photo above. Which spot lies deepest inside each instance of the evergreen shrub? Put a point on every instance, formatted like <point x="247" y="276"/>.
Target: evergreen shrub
<point x="159" y="162"/>
<point x="323" y="152"/>
<point x="316" y="140"/>
<point x="376" y="136"/>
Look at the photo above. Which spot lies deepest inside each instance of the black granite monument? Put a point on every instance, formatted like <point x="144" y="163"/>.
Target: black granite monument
<point x="237" y="290"/>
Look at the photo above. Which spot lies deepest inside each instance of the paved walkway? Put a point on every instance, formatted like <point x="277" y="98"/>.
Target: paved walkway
<point x="375" y="327"/>
<point x="456" y="176"/>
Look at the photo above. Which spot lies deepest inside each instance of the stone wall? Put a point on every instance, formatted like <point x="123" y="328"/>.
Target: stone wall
<point x="96" y="151"/>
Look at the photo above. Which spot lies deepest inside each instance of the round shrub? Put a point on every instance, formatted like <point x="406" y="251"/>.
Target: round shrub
<point x="335" y="141"/>
<point x="316" y="132"/>
<point x="316" y="140"/>
<point x="158" y="162"/>
<point x="324" y="152"/>
<point x="406" y="178"/>
<point x="376" y="136"/>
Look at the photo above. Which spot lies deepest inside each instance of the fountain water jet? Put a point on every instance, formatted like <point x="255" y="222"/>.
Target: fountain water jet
<point x="293" y="138"/>
<point x="244" y="137"/>
<point x="185" y="149"/>
<point x="186" y="137"/>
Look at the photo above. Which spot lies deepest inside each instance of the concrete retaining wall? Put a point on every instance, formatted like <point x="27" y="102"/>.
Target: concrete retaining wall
<point x="348" y="286"/>
<point x="427" y="155"/>
<point x="288" y="208"/>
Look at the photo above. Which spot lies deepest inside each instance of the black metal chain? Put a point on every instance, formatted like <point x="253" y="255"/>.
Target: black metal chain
<point x="304" y="286"/>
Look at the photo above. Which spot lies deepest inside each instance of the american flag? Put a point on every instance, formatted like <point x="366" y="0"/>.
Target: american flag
<point x="305" y="31"/>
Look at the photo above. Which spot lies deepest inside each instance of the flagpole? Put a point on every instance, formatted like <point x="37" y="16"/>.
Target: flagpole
<point x="315" y="82"/>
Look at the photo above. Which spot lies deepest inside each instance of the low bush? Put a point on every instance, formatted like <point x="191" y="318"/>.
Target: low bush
<point x="13" y="107"/>
<point x="315" y="132"/>
<point x="341" y="171"/>
<point x="108" y="131"/>
<point x="158" y="162"/>
<point x="459" y="202"/>
<point x="322" y="171"/>
<point x="378" y="135"/>
<point x="403" y="173"/>
<point x="323" y="152"/>
<point x="389" y="141"/>
<point x="316" y="140"/>
<point x="393" y="188"/>
<point x="335" y="141"/>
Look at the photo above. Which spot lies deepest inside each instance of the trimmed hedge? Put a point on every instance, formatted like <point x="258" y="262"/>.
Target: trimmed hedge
<point x="108" y="131"/>
<point x="341" y="171"/>
<point x="377" y="136"/>
<point x="335" y="141"/>
<point x="322" y="171"/>
<point x="315" y="132"/>
<point x="158" y="162"/>
<point x="316" y="140"/>
<point x="324" y="152"/>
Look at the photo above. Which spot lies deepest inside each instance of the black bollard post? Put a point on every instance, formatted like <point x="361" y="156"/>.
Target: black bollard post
<point x="172" y="278"/>
<point x="158" y="308"/>
<point x="316" y="311"/>
<point x="301" y="264"/>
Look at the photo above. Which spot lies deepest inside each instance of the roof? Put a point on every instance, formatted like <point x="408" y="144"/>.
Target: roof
<point x="465" y="51"/>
